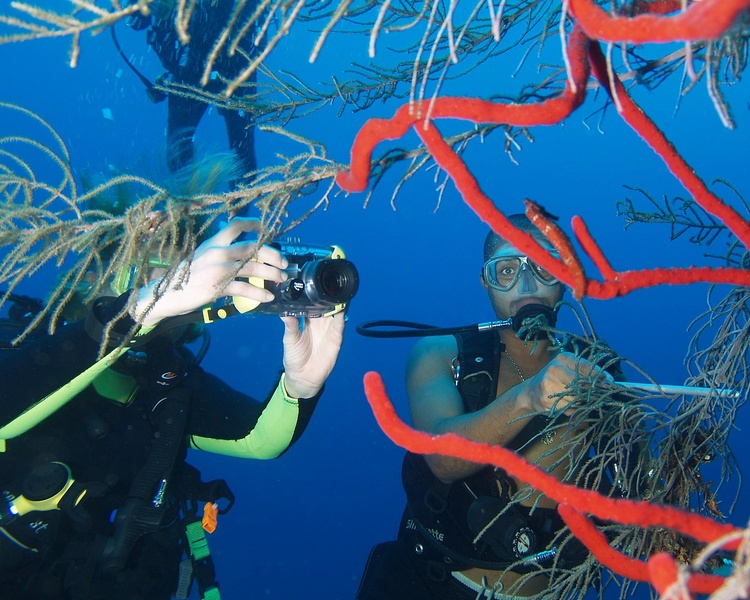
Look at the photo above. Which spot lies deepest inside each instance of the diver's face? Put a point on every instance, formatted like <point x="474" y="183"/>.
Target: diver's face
<point x="512" y="281"/>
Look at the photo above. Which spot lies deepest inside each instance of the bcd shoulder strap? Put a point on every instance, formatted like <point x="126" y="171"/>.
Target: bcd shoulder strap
<point x="478" y="359"/>
<point x="144" y="509"/>
<point x="478" y="363"/>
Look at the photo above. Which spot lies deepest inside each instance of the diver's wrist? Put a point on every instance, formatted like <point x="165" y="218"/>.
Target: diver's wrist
<point x="145" y="310"/>
<point x="293" y="392"/>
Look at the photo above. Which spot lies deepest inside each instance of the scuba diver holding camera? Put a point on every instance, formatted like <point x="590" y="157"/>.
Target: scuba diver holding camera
<point x="97" y="500"/>
<point x="470" y="530"/>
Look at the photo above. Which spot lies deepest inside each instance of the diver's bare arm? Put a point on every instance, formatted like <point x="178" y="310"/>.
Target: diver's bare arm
<point x="503" y="418"/>
<point x="437" y="407"/>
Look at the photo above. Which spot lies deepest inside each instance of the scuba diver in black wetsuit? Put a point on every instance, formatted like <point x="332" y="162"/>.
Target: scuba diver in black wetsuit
<point x="96" y="499"/>
<point x="461" y="537"/>
<point x="185" y="64"/>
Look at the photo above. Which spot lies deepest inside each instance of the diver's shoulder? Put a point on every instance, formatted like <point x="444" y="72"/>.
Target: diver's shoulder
<point x="434" y="346"/>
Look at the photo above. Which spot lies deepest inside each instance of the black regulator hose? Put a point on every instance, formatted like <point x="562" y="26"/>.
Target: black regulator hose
<point x="401" y="329"/>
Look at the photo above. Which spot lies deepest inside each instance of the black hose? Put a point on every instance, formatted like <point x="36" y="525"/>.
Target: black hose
<point x="411" y="329"/>
<point x="151" y="91"/>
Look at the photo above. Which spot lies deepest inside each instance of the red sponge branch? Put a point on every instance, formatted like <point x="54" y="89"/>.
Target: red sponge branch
<point x="627" y="512"/>
<point x="584" y="56"/>
<point x="573" y="502"/>
<point x="704" y="20"/>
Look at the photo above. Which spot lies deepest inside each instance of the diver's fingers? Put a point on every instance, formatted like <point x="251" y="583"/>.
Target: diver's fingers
<point x="292" y="325"/>
<point x="568" y="359"/>
<point x="271" y="256"/>
<point x="583" y="367"/>
<point x="254" y="268"/>
<point x="247" y="290"/>
<point x="233" y="229"/>
<point x="240" y="251"/>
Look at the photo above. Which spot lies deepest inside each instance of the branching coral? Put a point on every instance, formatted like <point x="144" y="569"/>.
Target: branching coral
<point x="42" y="222"/>
<point x="703" y="20"/>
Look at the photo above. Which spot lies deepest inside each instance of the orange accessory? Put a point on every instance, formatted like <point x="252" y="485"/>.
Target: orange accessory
<point x="210" y="516"/>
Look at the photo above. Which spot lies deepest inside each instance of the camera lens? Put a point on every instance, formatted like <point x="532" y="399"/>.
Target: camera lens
<point x="333" y="281"/>
<point x="338" y="280"/>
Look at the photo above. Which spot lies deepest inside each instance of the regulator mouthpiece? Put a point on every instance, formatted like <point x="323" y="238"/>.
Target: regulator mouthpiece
<point x="532" y="319"/>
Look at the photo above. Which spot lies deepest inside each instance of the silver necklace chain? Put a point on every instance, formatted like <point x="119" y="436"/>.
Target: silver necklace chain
<point x="513" y="362"/>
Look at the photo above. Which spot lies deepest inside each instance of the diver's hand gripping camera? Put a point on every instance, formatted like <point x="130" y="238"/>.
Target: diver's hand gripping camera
<point x="321" y="282"/>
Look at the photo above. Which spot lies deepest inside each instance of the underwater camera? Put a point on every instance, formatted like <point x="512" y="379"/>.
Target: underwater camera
<point x="321" y="282"/>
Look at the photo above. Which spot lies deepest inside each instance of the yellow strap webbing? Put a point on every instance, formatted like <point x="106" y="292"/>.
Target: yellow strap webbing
<point x="39" y="411"/>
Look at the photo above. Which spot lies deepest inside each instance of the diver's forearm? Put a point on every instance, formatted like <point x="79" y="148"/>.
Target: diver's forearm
<point x="279" y="425"/>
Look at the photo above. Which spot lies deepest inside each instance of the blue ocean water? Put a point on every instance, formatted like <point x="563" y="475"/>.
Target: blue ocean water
<point x="303" y="524"/>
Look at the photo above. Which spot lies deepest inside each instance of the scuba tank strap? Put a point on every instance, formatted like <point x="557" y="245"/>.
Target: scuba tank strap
<point x="478" y="364"/>
<point x="199" y="565"/>
<point x="479" y="355"/>
<point x="191" y="488"/>
<point x="144" y="509"/>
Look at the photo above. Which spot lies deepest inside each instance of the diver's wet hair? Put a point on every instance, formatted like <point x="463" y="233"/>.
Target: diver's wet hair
<point x="493" y="241"/>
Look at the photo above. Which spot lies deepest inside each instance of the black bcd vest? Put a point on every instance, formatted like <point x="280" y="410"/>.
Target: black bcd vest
<point x="441" y="521"/>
